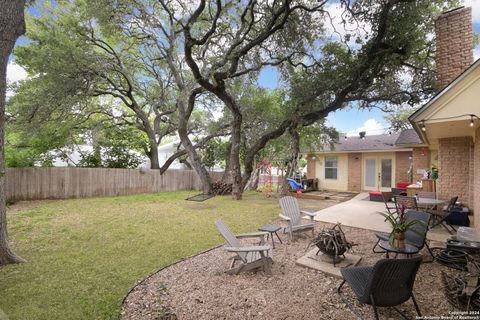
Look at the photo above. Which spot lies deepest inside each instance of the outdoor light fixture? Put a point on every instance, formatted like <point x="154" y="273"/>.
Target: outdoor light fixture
<point x="471" y="124"/>
<point x="423" y="126"/>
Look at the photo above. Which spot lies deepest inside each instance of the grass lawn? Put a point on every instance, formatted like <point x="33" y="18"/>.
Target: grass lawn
<point x="83" y="255"/>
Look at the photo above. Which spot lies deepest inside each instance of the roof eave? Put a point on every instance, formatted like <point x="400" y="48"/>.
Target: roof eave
<point x="411" y="145"/>
<point x="360" y="151"/>
<point x="414" y="117"/>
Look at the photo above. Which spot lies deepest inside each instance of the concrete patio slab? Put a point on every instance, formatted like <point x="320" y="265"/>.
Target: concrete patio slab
<point x="356" y="212"/>
<point x="359" y="212"/>
<point x="313" y="261"/>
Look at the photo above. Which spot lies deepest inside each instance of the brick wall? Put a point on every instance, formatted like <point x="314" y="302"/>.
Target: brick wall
<point x="476" y="181"/>
<point x="402" y="165"/>
<point x="311" y="171"/>
<point x="421" y="160"/>
<point x="355" y="172"/>
<point x="454" y="155"/>
<point x="471" y="175"/>
<point x="454" y="38"/>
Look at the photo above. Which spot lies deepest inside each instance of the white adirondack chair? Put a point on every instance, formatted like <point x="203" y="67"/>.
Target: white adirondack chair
<point x="293" y="215"/>
<point x="246" y="257"/>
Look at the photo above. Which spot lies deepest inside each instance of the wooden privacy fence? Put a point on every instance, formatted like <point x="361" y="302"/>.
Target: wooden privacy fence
<point x="63" y="183"/>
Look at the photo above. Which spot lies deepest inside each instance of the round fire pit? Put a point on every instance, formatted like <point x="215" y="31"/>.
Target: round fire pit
<point x="332" y="243"/>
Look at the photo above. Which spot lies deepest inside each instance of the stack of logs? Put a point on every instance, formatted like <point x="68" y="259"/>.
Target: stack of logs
<point x="332" y="241"/>
<point x="221" y="188"/>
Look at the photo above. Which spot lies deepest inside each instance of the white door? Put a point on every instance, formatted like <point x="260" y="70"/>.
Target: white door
<point x="378" y="173"/>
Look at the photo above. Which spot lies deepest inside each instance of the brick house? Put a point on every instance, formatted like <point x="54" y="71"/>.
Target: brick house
<point x="449" y="122"/>
<point x="366" y="163"/>
<point x="447" y="129"/>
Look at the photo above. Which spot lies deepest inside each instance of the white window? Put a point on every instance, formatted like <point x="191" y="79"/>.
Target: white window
<point x="331" y="165"/>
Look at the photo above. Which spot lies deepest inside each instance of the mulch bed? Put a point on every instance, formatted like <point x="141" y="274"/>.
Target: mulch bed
<point x="198" y="288"/>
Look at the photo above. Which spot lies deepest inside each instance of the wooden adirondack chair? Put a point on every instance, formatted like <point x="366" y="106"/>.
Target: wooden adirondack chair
<point x="293" y="215"/>
<point x="246" y="257"/>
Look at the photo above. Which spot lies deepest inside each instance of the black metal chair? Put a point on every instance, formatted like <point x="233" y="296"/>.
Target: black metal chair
<point x="391" y="208"/>
<point x="388" y="283"/>
<point x="440" y="218"/>
<point x="416" y="235"/>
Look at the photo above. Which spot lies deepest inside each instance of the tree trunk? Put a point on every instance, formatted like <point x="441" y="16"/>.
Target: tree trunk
<point x="288" y="173"/>
<point x="260" y="144"/>
<point x="252" y="183"/>
<point x="235" y="169"/>
<point x="195" y="160"/>
<point x="12" y="26"/>
<point x="292" y="165"/>
<point x="97" y="150"/>
<point x="226" y="173"/>
<point x="153" y="156"/>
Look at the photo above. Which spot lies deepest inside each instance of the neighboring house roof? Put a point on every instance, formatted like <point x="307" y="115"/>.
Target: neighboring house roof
<point x="370" y="143"/>
<point x="408" y="137"/>
<point x="380" y="142"/>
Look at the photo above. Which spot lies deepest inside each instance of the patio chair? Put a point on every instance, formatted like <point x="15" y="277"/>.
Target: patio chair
<point x="427" y="195"/>
<point x="388" y="283"/>
<point x="293" y="215"/>
<point x="440" y="218"/>
<point x="407" y="202"/>
<point x="391" y="209"/>
<point x="416" y="235"/>
<point x="247" y="257"/>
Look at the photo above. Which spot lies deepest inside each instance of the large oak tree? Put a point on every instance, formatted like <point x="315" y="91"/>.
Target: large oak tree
<point x="227" y="40"/>
<point x="12" y="26"/>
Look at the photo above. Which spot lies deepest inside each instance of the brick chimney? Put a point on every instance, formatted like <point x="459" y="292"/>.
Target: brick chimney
<point x="454" y="44"/>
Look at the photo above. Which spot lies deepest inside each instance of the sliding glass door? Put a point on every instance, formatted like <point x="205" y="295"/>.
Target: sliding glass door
<point x="378" y="173"/>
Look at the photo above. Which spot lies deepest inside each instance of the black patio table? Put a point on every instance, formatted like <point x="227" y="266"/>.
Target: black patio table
<point x="408" y="250"/>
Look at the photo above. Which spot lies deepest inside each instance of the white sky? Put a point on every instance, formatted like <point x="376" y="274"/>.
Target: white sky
<point x="371" y="127"/>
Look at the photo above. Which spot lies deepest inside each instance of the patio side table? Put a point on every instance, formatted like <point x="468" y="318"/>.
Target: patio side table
<point x="408" y="250"/>
<point x="271" y="229"/>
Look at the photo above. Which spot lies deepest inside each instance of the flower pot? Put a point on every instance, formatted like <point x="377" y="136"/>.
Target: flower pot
<point x="397" y="240"/>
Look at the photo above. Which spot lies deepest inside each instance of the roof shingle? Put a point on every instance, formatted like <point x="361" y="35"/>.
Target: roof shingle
<point x="408" y="137"/>
<point x="374" y="142"/>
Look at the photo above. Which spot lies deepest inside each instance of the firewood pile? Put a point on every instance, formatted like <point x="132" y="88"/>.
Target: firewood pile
<point x="332" y="241"/>
<point x="462" y="289"/>
<point x="221" y="188"/>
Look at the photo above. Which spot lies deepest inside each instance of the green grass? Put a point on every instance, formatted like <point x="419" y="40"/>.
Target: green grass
<point x="83" y="255"/>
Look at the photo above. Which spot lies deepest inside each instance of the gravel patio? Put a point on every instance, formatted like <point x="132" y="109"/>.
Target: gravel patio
<point x="197" y="287"/>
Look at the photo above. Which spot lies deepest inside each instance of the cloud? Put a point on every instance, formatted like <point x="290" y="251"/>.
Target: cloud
<point x="475" y="4"/>
<point x="15" y="73"/>
<point x="371" y="127"/>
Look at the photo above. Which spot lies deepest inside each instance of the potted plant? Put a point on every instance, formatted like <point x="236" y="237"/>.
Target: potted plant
<point x="400" y="225"/>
